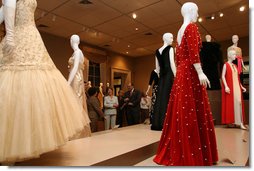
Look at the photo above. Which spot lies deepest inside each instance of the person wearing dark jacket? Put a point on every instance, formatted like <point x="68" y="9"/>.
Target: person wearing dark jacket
<point x="132" y="103"/>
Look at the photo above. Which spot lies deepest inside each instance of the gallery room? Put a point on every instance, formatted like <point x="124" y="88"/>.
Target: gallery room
<point x="124" y="83"/>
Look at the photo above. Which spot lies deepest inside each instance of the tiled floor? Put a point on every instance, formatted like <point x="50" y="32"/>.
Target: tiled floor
<point x="133" y="143"/>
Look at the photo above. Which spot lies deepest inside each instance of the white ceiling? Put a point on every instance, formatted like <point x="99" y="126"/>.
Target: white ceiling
<point x="108" y="24"/>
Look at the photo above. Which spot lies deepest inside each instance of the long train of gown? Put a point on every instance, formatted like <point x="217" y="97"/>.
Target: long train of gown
<point x="38" y="109"/>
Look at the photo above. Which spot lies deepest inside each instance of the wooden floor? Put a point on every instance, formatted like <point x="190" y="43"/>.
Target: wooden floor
<point x="136" y="146"/>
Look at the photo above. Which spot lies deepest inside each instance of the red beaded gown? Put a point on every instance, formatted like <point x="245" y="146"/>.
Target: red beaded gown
<point x="188" y="136"/>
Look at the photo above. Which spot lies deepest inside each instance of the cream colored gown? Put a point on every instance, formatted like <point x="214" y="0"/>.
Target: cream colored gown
<point x="78" y="87"/>
<point x="38" y="109"/>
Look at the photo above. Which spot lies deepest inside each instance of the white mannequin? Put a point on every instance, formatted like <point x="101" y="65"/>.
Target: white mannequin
<point x="77" y="56"/>
<point x="208" y="38"/>
<point x="149" y="87"/>
<point x="7" y="14"/>
<point x="238" y="50"/>
<point x="231" y="57"/>
<point x="167" y="39"/>
<point x="189" y="12"/>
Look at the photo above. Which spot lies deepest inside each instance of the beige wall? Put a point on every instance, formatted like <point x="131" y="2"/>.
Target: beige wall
<point x="142" y="71"/>
<point x="59" y="50"/>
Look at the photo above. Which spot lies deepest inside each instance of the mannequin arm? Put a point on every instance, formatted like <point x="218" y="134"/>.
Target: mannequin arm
<point x="244" y="89"/>
<point x="9" y="9"/>
<point x="172" y="61"/>
<point x="1" y="14"/>
<point x="74" y="70"/>
<point x="148" y="89"/>
<point x="202" y="77"/>
<point x="243" y="65"/>
<point x="157" y="66"/>
<point x="224" y="69"/>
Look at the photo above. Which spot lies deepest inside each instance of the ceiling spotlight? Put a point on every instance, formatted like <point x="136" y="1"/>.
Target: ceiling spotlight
<point x="213" y="17"/>
<point x="136" y="29"/>
<point x="127" y="52"/>
<point x="200" y="20"/>
<point x="134" y="16"/>
<point x="242" y="8"/>
<point x="129" y="46"/>
<point x="221" y="14"/>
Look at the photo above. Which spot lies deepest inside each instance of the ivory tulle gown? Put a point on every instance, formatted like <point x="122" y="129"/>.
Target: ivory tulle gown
<point x="38" y="109"/>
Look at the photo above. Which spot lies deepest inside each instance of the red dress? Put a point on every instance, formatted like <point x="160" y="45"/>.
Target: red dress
<point x="188" y="136"/>
<point x="227" y="107"/>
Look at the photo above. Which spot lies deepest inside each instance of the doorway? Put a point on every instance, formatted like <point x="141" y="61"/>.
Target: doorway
<point x="120" y="79"/>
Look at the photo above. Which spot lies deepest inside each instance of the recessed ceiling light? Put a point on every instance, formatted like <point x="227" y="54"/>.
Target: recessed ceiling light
<point x="200" y="20"/>
<point x="129" y="46"/>
<point x="85" y="2"/>
<point x="136" y="29"/>
<point x="148" y="34"/>
<point x="134" y="16"/>
<point x="213" y="17"/>
<point x="127" y="52"/>
<point x="242" y="8"/>
<point x="221" y="14"/>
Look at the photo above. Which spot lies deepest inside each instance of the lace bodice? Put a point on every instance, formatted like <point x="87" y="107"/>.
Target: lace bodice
<point x="29" y="51"/>
<point x="25" y="12"/>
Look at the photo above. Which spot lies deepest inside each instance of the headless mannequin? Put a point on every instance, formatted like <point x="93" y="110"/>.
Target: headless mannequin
<point x="77" y="56"/>
<point x="190" y="14"/>
<point x="167" y="39"/>
<point x="231" y="58"/>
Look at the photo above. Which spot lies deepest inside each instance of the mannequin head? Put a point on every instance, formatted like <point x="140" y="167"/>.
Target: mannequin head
<point x="189" y="11"/>
<point x="208" y="38"/>
<point x="231" y="55"/>
<point x="107" y="84"/>
<point x="75" y="40"/>
<point x="167" y="38"/>
<point x="235" y="39"/>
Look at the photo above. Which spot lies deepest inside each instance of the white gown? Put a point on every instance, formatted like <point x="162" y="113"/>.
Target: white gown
<point x="38" y="109"/>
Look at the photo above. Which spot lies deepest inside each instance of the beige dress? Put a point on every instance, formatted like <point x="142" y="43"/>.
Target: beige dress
<point x="237" y="96"/>
<point x="38" y="109"/>
<point x="78" y="87"/>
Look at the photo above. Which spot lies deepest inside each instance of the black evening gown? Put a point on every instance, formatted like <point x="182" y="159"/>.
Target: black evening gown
<point x="164" y="89"/>
<point x="212" y="62"/>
